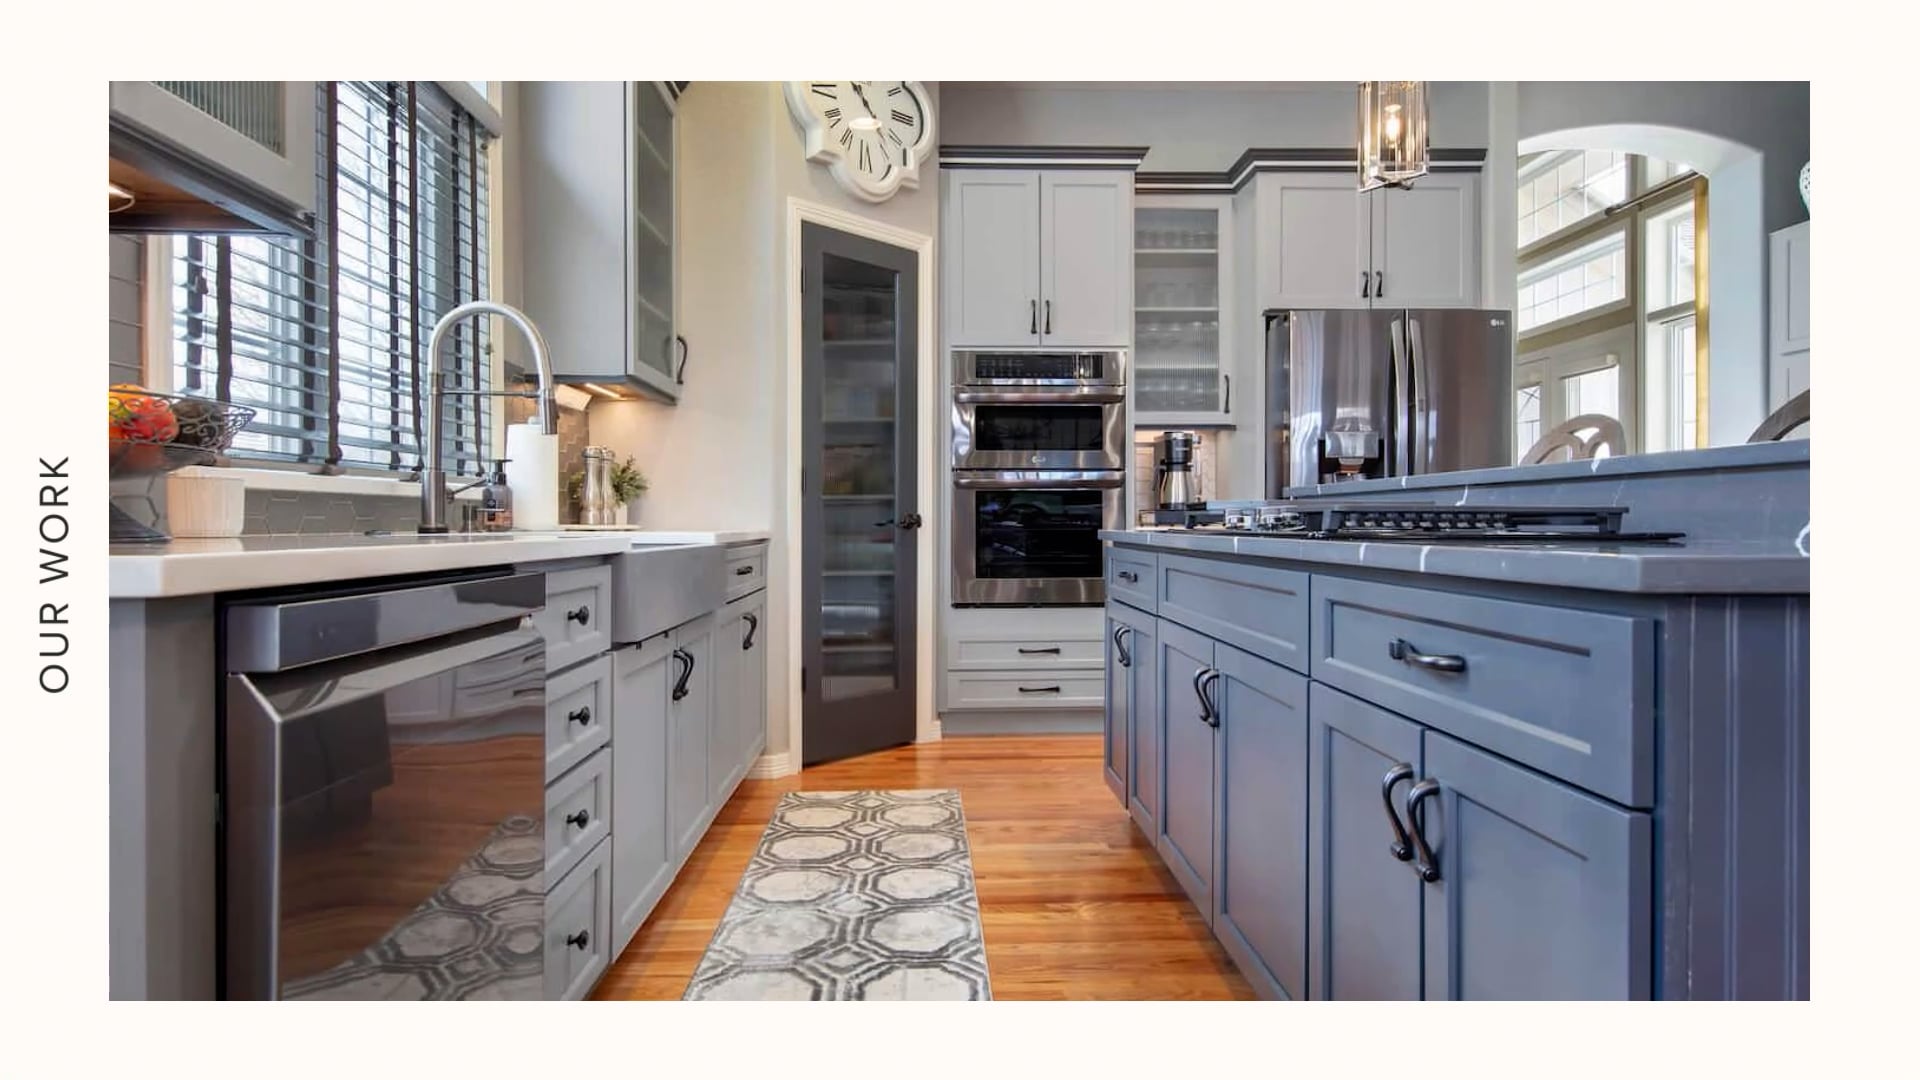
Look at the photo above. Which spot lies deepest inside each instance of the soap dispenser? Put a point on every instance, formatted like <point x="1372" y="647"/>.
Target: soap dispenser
<point x="496" y="502"/>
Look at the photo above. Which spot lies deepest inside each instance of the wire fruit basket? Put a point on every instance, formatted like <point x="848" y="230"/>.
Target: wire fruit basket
<point x="151" y="434"/>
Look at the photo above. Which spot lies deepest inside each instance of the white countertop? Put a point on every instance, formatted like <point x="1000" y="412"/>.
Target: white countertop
<point x="192" y="567"/>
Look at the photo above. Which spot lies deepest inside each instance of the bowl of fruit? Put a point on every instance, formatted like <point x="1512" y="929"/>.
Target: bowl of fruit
<point x="150" y="434"/>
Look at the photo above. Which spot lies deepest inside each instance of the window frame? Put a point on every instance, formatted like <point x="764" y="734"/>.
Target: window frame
<point x="1549" y="366"/>
<point x="482" y="120"/>
<point x="1591" y="233"/>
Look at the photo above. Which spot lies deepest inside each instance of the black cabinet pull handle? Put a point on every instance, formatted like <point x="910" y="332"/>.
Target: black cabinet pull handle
<point x="1379" y="284"/>
<point x="1403" y="650"/>
<point x="1049" y="327"/>
<point x="1226" y="402"/>
<point x="744" y="570"/>
<point x="1206" y="707"/>
<point x="1127" y="576"/>
<point x="582" y="716"/>
<point x="579" y="818"/>
<point x="1399" y="847"/>
<point x="579" y="940"/>
<point x="1039" y="689"/>
<point x="579" y="615"/>
<point x="753" y="627"/>
<point x="1051" y="650"/>
<point x="1364" y="291"/>
<point x="1120" y="645"/>
<point x="1206" y="696"/>
<point x="680" y="686"/>
<point x="686" y="353"/>
<point x="1427" y="867"/>
<point x="1033" y="316"/>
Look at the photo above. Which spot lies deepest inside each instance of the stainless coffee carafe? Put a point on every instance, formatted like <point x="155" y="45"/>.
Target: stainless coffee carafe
<point x="1176" y="487"/>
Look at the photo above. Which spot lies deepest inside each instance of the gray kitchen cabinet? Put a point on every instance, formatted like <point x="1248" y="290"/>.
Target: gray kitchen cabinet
<point x="598" y="170"/>
<point x="738" y="731"/>
<point x="991" y="260"/>
<point x="1186" y="834"/>
<point x="1539" y="891"/>
<point x="690" y="712"/>
<point x="643" y="857"/>
<point x="1323" y="244"/>
<point x="1363" y="898"/>
<point x="575" y="938"/>
<point x="1038" y="257"/>
<point x="258" y="134"/>
<point x="1086" y="259"/>
<point x="1260" y="881"/>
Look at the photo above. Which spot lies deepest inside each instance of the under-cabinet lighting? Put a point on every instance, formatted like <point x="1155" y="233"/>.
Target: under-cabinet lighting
<point x="603" y="391"/>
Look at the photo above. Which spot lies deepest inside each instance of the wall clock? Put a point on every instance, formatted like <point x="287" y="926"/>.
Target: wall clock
<point x="872" y="136"/>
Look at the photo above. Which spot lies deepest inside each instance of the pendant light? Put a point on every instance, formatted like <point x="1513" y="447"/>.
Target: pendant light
<point x="1393" y="133"/>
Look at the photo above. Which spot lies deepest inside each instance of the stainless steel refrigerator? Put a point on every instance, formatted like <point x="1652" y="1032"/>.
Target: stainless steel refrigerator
<point x="1378" y="392"/>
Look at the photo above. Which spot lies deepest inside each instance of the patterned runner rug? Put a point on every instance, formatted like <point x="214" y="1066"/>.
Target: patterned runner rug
<point x="853" y="896"/>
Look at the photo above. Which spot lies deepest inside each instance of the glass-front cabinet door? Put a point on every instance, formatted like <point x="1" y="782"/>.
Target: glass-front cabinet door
<point x="1182" y="252"/>
<point x="860" y="333"/>
<point x="650" y="231"/>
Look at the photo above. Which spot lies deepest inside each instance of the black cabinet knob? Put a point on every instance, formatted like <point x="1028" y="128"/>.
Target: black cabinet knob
<point x="1127" y="576"/>
<point x="582" y="716"/>
<point x="579" y="615"/>
<point x="579" y="940"/>
<point x="579" y="818"/>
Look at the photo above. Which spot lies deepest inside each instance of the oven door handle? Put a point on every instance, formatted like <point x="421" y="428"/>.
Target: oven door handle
<point x="1099" y="396"/>
<point x="1034" y="483"/>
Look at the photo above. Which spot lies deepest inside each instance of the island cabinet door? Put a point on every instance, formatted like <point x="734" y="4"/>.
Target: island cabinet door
<point x="642" y="850"/>
<point x="1119" y="708"/>
<point x="1260" y="883"/>
<point x="1363" y="896"/>
<point x="1540" y="892"/>
<point x="690" y="712"/>
<point x="1185" y="837"/>
<point x="1147" y="737"/>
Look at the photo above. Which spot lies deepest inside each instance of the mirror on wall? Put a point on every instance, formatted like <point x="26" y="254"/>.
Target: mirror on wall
<point x="1608" y="315"/>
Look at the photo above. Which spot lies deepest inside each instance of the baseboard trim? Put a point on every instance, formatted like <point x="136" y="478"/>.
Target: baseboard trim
<point x="1031" y="722"/>
<point x="771" y="766"/>
<point x="931" y="733"/>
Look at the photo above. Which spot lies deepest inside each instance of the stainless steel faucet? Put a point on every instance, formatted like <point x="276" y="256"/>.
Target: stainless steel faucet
<point x="433" y="478"/>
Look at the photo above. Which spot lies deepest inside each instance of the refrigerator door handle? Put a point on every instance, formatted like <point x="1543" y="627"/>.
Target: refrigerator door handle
<point x="1400" y="453"/>
<point x="1420" y="451"/>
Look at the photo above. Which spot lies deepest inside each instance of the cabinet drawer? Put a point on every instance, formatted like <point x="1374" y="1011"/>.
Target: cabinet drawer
<point x="1130" y="576"/>
<point x="579" y="714"/>
<point x="1262" y="609"/>
<point x="578" y="931"/>
<point x="1026" y="654"/>
<point x="578" y="809"/>
<point x="746" y="569"/>
<point x="577" y="620"/>
<point x="1567" y="691"/>
<point x="1026" y="689"/>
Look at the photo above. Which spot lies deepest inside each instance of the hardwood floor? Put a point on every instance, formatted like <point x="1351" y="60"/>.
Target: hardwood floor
<point x="1073" y="901"/>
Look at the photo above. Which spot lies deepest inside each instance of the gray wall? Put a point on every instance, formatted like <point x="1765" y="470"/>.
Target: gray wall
<point x="124" y="265"/>
<point x="1771" y="117"/>
<point x="1186" y="126"/>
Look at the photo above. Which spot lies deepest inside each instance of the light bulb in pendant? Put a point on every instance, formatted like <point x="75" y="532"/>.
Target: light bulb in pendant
<point x="1392" y="124"/>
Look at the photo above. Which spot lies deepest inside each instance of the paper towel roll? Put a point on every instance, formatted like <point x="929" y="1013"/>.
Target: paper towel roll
<point x="533" y="475"/>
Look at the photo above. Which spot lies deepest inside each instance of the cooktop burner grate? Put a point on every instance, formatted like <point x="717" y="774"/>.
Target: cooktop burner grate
<point x="1421" y="522"/>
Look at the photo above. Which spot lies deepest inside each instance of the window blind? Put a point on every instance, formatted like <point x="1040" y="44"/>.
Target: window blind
<point x="326" y="337"/>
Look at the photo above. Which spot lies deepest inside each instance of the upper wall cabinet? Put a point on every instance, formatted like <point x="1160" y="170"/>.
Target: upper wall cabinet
<point x="1788" y="304"/>
<point x="244" y="148"/>
<point x="1038" y="257"/>
<point x="1325" y="245"/>
<point x="1183" y="305"/>
<point x="598" y="161"/>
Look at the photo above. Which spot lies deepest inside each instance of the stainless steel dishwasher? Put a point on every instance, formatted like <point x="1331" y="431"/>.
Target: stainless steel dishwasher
<point x="383" y="788"/>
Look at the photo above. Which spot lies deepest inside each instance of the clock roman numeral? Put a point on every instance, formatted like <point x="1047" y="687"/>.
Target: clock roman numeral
<point x="833" y="113"/>
<point x="825" y="90"/>
<point x="896" y="91"/>
<point x="894" y="137"/>
<point x="902" y="118"/>
<point x="846" y="137"/>
<point x="866" y="156"/>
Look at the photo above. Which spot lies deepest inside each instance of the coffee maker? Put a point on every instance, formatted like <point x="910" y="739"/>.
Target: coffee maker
<point x="1175" y="485"/>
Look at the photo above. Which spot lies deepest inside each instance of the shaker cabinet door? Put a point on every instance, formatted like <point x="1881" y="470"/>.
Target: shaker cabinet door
<point x="1086" y="259"/>
<point x="1544" y="892"/>
<point x="1323" y="241"/>
<point x="1147" y="738"/>
<point x="690" y="712"/>
<point x="1185" y="838"/>
<point x="1426" y="243"/>
<point x="1363" y="902"/>
<point x="1119" y="710"/>
<point x="1260" y="884"/>
<point x="992" y="259"/>
<point x="642" y="851"/>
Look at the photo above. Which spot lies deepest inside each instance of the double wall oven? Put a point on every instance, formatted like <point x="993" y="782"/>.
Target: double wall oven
<point x="1039" y="468"/>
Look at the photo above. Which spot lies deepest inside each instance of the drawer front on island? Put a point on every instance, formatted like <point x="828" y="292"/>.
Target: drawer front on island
<point x="1130" y="576"/>
<point x="579" y="806"/>
<point x="1567" y="691"/>
<point x="1262" y="609"/>
<point x="577" y="619"/>
<point x="579" y="714"/>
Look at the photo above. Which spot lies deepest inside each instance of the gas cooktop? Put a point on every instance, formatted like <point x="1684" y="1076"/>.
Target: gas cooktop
<point x="1422" y="522"/>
